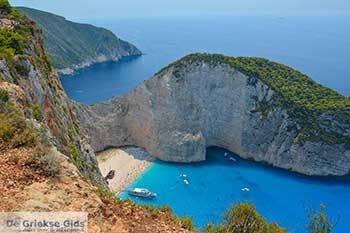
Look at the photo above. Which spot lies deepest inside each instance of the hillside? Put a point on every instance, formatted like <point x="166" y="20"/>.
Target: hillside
<point x="73" y="45"/>
<point x="256" y="108"/>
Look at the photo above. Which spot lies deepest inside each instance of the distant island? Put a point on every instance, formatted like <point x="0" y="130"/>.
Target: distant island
<point x="73" y="46"/>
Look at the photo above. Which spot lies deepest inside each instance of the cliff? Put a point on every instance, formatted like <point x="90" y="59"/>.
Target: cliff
<point x="74" y="46"/>
<point x="256" y="108"/>
<point x="33" y="103"/>
<point x="46" y="163"/>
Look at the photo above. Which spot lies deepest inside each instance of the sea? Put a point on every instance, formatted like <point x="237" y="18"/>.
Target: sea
<point x="318" y="46"/>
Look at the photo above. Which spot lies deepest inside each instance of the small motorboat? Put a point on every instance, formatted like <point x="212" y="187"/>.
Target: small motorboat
<point x="245" y="189"/>
<point x="186" y="181"/>
<point x="183" y="175"/>
<point x="226" y="154"/>
<point x="142" y="192"/>
<point x="233" y="159"/>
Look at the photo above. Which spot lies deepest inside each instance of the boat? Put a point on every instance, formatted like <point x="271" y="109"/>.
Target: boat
<point x="186" y="181"/>
<point x="233" y="159"/>
<point x="245" y="189"/>
<point x="142" y="192"/>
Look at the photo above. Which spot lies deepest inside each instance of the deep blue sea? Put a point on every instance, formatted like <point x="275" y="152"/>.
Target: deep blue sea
<point x="317" y="46"/>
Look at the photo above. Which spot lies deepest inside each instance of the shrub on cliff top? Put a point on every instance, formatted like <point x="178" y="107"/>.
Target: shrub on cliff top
<point x="304" y="99"/>
<point x="243" y="217"/>
<point x="5" y="7"/>
<point x="11" y="40"/>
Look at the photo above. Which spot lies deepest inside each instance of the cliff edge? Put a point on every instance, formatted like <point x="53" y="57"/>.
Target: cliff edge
<point x="256" y="108"/>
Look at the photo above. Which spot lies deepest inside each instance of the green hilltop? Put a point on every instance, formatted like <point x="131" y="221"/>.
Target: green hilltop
<point x="304" y="99"/>
<point x="71" y="44"/>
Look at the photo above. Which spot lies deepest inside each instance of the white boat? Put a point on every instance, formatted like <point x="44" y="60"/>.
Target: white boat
<point x="245" y="189"/>
<point x="186" y="181"/>
<point x="142" y="192"/>
<point x="183" y="175"/>
<point x="233" y="159"/>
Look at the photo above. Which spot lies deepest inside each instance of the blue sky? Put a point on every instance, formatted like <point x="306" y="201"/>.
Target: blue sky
<point x="83" y="9"/>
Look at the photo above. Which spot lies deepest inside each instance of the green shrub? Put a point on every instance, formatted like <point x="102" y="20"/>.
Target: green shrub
<point x="4" y="95"/>
<point x="5" y="7"/>
<point x="243" y="217"/>
<point x="186" y="223"/>
<point x="319" y="222"/>
<point x="37" y="112"/>
<point x="44" y="162"/>
<point x="15" y="131"/>
<point x="11" y="41"/>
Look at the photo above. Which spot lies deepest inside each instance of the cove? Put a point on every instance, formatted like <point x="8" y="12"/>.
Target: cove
<point x="280" y="196"/>
<point x="317" y="46"/>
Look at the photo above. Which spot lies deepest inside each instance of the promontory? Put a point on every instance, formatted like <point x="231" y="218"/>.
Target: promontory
<point x="254" y="107"/>
<point x="72" y="46"/>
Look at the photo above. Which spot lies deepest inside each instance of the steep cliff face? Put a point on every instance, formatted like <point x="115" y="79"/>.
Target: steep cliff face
<point x="204" y="100"/>
<point x="32" y="89"/>
<point x="74" y="46"/>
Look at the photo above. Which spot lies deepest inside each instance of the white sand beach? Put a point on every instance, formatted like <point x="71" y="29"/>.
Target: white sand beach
<point x="128" y="163"/>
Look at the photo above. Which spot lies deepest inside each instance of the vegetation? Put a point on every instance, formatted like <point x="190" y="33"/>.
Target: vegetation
<point x="241" y="218"/>
<point x="43" y="162"/>
<point x="70" y="43"/>
<point x="37" y="112"/>
<point x="13" y="41"/>
<point x="319" y="222"/>
<point x="15" y="131"/>
<point x="186" y="222"/>
<point x="4" y="96"/>
<point x="164" y="212"/>
<point x="5" y="7"/>
<point x="303" y="98"/>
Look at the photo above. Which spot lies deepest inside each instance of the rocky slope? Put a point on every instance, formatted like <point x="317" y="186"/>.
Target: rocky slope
<point x="74" y="46"/>
<point x="33" y="98"/>
<point x="253" y="107"/>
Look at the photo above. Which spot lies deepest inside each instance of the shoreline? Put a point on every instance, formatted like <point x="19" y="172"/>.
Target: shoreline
<point x="128" y="163"/>
<point x="70" y="71"/>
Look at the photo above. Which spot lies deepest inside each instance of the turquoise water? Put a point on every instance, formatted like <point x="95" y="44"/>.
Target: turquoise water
<point x="280" y="196"/>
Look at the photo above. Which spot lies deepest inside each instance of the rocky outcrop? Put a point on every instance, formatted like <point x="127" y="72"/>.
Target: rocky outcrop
<point x="183" y="109"/>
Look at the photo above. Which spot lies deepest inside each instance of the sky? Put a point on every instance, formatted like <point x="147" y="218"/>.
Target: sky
<point x="104" y="9"/>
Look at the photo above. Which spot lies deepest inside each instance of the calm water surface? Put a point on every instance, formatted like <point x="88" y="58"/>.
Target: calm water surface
<point x="317" y="46"/>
